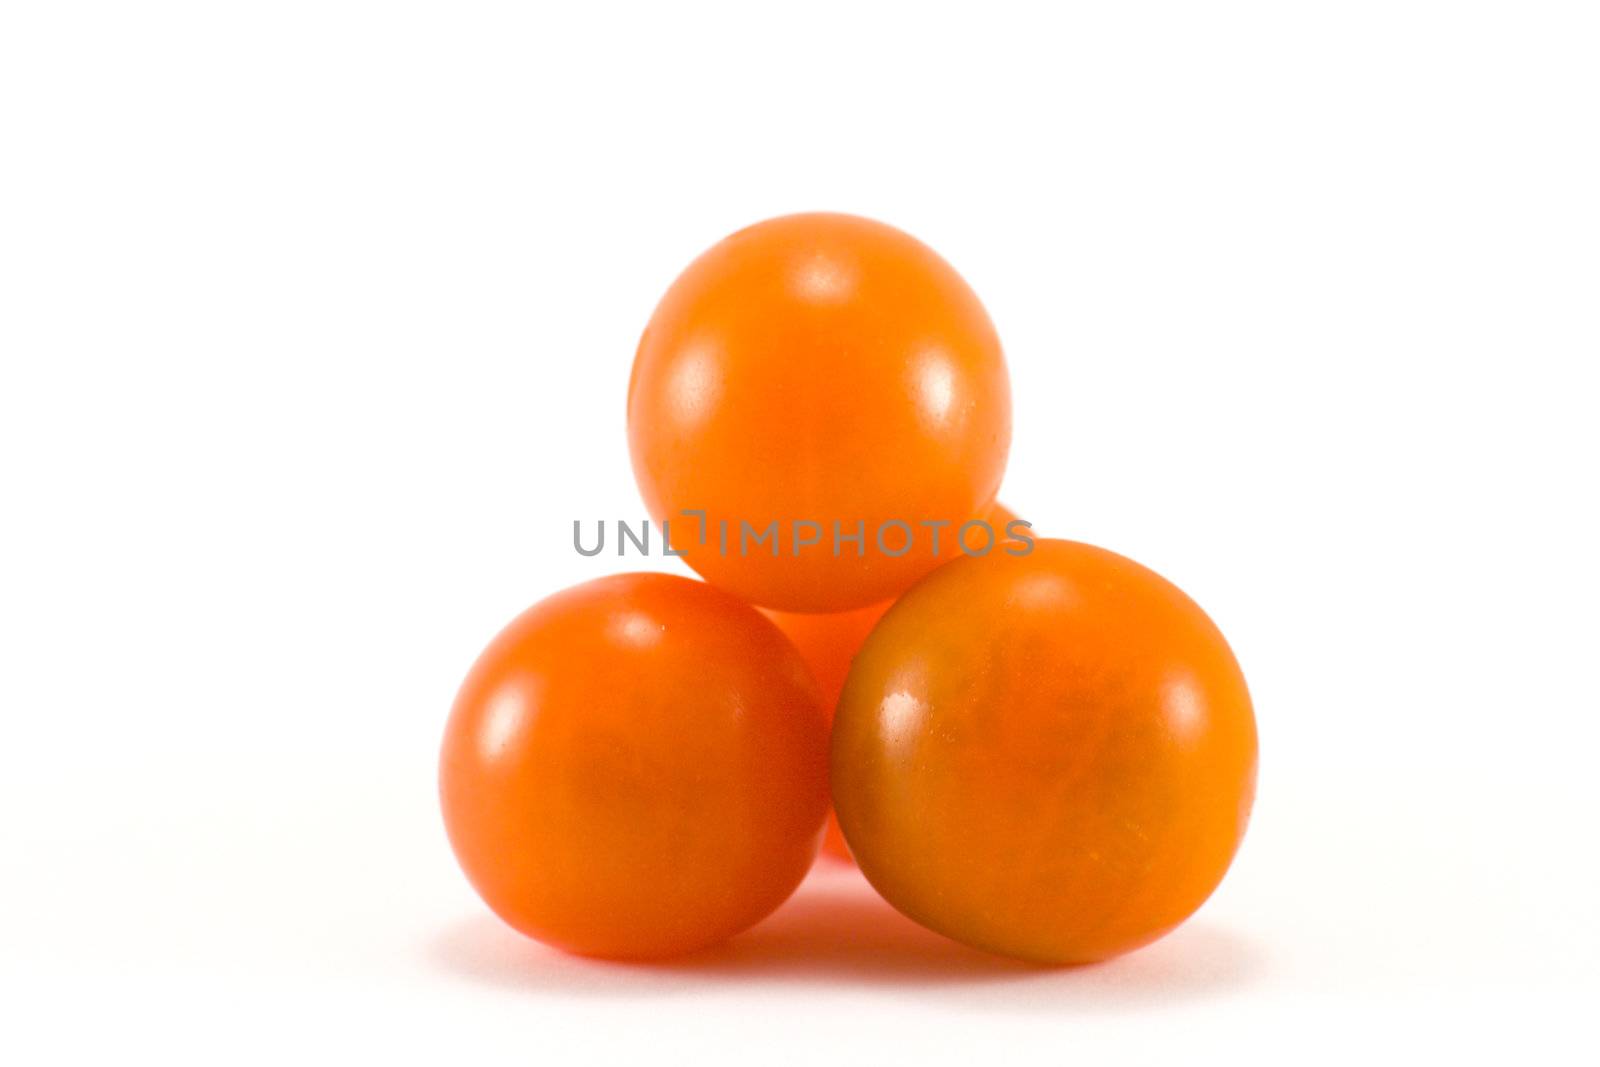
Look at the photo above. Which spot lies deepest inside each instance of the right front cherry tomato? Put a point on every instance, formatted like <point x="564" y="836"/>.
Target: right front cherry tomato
<point x="1049" y="756"/>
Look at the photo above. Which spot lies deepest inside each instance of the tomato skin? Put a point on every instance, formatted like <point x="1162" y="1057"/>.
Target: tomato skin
<point x="636" y="767"/>
<point x="829" y="642"/>
<point x="818" y="368"/>
<point x="1051" y="756"/>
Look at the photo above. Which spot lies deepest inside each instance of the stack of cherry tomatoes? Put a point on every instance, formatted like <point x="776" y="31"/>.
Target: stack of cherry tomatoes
<point x="1033" y="746"/>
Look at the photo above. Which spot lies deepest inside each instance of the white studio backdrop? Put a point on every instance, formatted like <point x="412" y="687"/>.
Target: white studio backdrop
<point x="315" y="328"/>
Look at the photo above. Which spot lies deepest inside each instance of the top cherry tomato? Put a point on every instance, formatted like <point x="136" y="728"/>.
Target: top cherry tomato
<point x="834" y="376"/>
<point x="1050" y="756"/>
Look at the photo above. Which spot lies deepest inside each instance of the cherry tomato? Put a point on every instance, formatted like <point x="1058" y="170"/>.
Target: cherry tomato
<point x="1049" y="756"/>
<point x="636" y="767"/>
<point x="830" y="375"/>
<point x="828" y="643"/>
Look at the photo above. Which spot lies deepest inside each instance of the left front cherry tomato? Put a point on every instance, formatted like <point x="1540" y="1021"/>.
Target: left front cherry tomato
<point x="636" y="767"/>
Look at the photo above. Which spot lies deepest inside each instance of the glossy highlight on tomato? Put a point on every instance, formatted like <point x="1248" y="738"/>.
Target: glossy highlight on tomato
<point x="1050" y="756"/>
<point x="636" y="767"/>
<point x="826" y="369"/>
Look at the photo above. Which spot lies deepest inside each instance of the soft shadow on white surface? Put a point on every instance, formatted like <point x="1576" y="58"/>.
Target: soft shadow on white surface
<point x="837" y="932"/>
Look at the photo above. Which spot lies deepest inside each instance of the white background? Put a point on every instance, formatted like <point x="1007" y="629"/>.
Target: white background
<point x="315" y="324"/>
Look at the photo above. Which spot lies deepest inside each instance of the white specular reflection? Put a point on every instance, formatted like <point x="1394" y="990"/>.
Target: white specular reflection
<point x="502" y="720"/>
<point x="1045" y="591"/>
<point x="936" y="386"/>
<point x="694" y="385"/>
<point x="1185" y="707"/>
<point x="898" y="719"/>
<point x="635" y="629"/>
<point x="824" y="279"/>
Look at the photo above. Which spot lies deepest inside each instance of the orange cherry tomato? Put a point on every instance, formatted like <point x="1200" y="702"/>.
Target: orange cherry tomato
<point x="828" y="643"/>
<point x="636" y="767"/>
<point x="1006" y="537"/>
<point x="1049" y="756"/>
<point x="830" y="375"/>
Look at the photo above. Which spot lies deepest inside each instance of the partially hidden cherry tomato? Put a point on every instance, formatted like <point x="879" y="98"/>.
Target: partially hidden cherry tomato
<point x="829" y="641"/>
<point x="636" y="767"/>
<point x="1050" y="756"/>
<point x="830" y="375"/>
